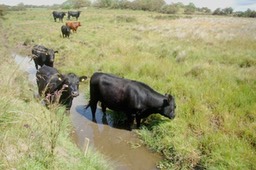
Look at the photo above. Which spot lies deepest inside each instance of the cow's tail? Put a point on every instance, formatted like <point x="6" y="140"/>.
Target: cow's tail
<point x="88" y="105"/>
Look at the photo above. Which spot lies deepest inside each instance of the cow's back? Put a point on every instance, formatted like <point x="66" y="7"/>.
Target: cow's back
<point x="73" y="25"/>
<point x="115" y="92"/>
<point x="48" y="77"/>
<point x="103" y="83"/>
<point x="38" y="49"/>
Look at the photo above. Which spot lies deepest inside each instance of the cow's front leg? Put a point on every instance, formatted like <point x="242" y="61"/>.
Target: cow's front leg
<point x="138" y="118"/>
<point x="130" y="120"/>
<point x="93" y="106"/>
<point x="141" y="115"/>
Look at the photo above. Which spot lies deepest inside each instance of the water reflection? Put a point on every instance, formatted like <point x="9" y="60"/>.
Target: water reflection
<point x="109" y="119"/>
<point x="25" y="63"/>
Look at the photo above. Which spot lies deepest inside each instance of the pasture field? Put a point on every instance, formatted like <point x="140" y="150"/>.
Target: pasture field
<point x="207" y="62"/>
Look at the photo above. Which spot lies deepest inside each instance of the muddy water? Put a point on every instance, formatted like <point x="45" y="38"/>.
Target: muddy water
<point x="117" y="144"/>
<point x="121" y="146"/>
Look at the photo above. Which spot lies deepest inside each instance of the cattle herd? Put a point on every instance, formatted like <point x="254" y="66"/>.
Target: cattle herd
<point x="133" y="98"/>
<point x="70" y="25"/>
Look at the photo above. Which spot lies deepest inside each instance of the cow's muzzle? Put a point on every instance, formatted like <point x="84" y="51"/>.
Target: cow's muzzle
<point x="75" y="94"/>
<point x="172" y="115"/>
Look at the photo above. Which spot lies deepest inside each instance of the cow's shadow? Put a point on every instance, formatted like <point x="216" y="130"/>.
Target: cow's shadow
<point x="113" y="119"/>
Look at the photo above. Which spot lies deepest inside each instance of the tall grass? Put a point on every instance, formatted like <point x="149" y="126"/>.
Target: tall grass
<point x="207" y="63"/>
<point x="32" y="136"/>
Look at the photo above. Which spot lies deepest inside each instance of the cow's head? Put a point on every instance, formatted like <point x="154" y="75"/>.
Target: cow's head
<point x="50" y="54"/>
<point x="169" y="105"/>
<point x="72" y="82"/>
<point x="68" y="29"/>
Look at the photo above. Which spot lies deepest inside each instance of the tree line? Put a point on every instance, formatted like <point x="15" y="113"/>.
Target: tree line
<point x="147" y="5"/>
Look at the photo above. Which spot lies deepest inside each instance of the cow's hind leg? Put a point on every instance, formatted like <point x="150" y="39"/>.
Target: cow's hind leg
<point x="104" y="118"/>
<point x="93" y="106"/>
<point x="104" y="108"/>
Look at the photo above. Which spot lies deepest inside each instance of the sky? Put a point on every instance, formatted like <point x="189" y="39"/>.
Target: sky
<point x="237" y="5"/>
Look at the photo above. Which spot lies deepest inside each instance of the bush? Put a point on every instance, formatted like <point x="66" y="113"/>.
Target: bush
<point x="169" y="9"/>
<point x="3" y="10"/>
<point x="190" y="8"/>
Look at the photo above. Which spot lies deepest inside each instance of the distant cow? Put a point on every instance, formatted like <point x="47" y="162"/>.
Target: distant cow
<point x="43" y="56"/>
<point x="65" y="31"/>
<point x="57" y="87"/>
<point x="128" y="96"/>
<point x="73" y="25"/>
<point x="59" y="15"/>
<point x="75" y="14"/>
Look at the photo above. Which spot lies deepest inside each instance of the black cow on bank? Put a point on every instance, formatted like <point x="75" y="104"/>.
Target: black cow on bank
<point x="75" y="14"/>
<point x="128" y="96"/>
<point x="43" y="56"/>
<point x="65" y="31"/>
<point x="56" y="87"/>
<point x="59" y="15"/>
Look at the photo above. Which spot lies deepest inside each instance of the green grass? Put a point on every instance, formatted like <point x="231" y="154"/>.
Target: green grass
<point x="206" y="62"/>
<point x="33" y="137"/>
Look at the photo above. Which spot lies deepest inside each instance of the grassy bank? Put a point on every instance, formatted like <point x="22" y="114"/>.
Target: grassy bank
<point x="207" y="63"/>
<point x="33" y="137"/>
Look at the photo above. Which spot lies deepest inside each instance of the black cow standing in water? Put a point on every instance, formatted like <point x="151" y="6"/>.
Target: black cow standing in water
<point x="75" y="14"/>
<point x="59" y="15"/>
<point x="57" y="87"/>
<point x="128" y="96"/>
<point x="43" y="56"/>
<point x="65" y="31"/>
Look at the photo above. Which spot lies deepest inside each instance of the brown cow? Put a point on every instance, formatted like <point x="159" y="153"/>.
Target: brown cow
<point x="73" y="25"/>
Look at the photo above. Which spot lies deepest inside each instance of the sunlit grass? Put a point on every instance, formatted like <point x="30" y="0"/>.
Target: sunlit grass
<point x="207" y="63"/>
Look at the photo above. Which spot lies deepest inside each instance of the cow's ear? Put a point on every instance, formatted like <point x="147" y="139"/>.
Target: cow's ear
<point x="61" y="78"/>
<point x="56" y="51"/>
<point x="82" y="78"/>
<point x="169" y="97"/>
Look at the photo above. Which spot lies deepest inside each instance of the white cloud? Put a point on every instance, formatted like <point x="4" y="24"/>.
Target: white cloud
<point x="245" y="4"/>
<point x="214" y="4"/>
<point x="31" y="2"/>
